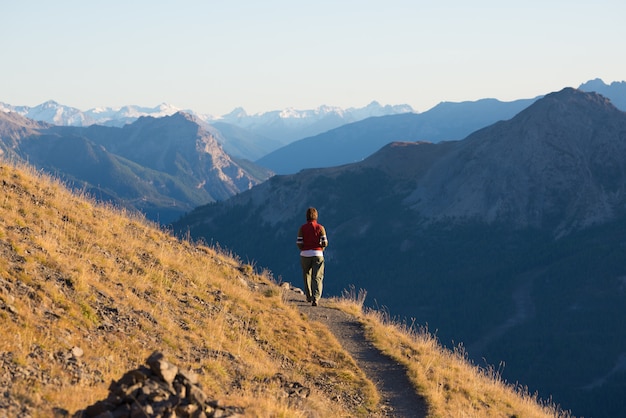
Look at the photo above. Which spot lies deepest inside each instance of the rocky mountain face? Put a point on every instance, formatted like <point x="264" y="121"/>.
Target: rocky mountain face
<point x="179" y="146"/>
<point x="558" y="165"/>
<point x="162" y="166"/>
<point x="510" y="241"/>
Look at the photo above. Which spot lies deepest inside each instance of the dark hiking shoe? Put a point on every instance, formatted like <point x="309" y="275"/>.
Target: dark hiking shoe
<point x="314" y="303"/>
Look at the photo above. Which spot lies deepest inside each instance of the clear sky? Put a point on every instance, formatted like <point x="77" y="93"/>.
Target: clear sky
<point x="212" y="56"/>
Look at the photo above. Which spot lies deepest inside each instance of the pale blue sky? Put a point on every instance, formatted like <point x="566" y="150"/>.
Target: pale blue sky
<point x="212" y="56"/>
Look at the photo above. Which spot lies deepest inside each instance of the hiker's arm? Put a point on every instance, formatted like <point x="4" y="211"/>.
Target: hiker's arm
<point x="323" y="238"/>
<point x="300" y="239"/>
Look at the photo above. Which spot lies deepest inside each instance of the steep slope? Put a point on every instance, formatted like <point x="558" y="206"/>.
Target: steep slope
<point x="162" y="167"/>
<point x="354" y="142"/>
<point x="510" y="240"/>
<point x="177" y="145"/>
<point x="88" y="293"/>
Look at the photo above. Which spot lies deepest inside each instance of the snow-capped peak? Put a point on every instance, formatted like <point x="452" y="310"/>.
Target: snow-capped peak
<point x="290" y="122"/>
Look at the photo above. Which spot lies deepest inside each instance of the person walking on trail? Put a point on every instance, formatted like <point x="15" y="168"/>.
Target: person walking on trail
<point x="312" y="241"/>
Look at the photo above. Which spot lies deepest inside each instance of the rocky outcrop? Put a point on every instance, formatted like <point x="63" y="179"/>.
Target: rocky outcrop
<point x="159" y="390"/>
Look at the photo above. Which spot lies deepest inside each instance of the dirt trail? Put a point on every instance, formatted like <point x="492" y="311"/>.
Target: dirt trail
<point x="398" y="396"/>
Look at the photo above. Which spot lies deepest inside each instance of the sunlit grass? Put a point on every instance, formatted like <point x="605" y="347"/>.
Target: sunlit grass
<point x="82" y="274"/>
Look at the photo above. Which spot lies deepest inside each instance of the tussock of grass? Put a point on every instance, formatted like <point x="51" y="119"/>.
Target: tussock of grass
<point x="451" y="384"/>
<point x="74" y="273"/>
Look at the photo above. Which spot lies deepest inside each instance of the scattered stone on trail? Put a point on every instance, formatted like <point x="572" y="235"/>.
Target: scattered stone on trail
<point x="159" y="390"/>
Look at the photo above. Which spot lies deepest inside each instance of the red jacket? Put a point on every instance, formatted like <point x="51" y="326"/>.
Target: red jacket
<point x="312" y="236"/>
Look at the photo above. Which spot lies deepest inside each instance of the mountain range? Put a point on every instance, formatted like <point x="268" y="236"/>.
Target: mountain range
<point x="163" y="167"/>
<point x="261" y="132"/>
<point x="336" y="132"/>
<point x="348" y="143"/>
<point x="288" y="125"/>
<point x="510" y="240"/>
<point x="57" y="114"/>
<point x="355" y="141"/>
<point x="126" y="164"/>
<point x="447" y="121"/>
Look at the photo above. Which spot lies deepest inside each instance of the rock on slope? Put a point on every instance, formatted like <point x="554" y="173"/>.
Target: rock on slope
<point x="159" y="390"/>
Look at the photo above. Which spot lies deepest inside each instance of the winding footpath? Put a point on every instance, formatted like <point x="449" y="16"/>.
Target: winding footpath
<point x="398" y="396"/>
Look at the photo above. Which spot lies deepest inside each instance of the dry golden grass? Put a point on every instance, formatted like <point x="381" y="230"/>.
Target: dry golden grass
<point x="75" y="273"/>
<point x="452" y="386"/>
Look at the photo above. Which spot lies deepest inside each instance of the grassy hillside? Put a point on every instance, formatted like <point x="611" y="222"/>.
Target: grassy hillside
<point x="88" y="292"/>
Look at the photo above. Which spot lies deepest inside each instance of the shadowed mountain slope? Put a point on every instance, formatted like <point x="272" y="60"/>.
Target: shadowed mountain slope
<point x="511" y="240"/>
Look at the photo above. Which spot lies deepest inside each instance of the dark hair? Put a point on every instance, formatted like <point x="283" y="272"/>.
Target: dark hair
<point x="311" y="214"/>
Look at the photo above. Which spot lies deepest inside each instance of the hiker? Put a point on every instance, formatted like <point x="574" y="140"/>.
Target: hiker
<point x="311" y="241"/>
